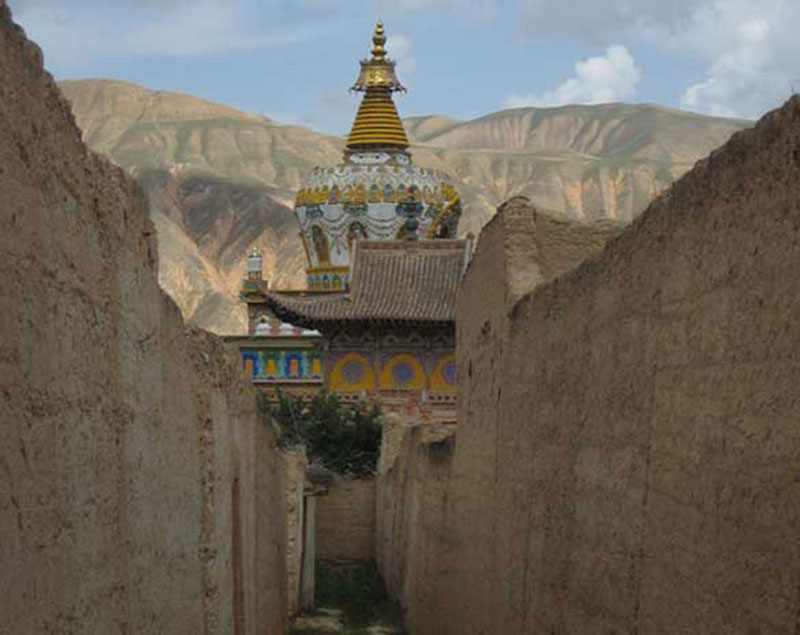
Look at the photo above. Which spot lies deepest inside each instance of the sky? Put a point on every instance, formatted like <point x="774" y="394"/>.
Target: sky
<point x="294" y="60"/>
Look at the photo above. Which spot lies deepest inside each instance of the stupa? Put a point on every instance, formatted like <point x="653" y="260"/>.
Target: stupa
<point x="377" y="192"/>
<point x="387" y="332"/>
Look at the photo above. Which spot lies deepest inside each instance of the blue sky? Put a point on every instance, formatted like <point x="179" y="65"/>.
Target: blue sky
<point x="293" y="60"/>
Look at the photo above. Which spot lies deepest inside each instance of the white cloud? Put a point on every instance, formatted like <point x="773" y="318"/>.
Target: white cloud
<point x="147" y="27"/>
<point x="601" y="79"/>
<point x="398" y="48"/>
<point x="205" y="27"/>
<point x="748" y="49"/>
<point x="465" y="8"/>
<point x="602" y="19"/>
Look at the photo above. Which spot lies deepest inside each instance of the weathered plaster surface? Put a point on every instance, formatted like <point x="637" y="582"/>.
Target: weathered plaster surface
<point x="346" y="520"/>
<point x="628" y="456"/>
<point x="122" y="432"/>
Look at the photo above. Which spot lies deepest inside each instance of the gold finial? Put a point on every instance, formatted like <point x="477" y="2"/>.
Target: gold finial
<point x="378" y="72"/>
<point x="377" y="123"/>
<point x="378" y="43"/>
<point x="254" y="252"/>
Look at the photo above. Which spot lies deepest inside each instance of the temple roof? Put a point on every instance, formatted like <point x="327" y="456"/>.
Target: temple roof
<point x="391" y="282"/>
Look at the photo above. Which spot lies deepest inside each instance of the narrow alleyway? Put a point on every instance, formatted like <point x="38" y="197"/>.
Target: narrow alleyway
<point x="329" y="620"/>
<point x="351" y="599"/>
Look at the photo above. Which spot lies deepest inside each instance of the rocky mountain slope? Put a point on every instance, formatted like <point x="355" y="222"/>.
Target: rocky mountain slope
<point x="221" y="180"/>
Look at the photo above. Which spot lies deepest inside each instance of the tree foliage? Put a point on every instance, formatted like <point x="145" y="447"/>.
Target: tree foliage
<point x="342" y="438"/>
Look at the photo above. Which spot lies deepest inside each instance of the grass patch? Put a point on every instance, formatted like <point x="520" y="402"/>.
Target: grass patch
<point x="359" y="591"/>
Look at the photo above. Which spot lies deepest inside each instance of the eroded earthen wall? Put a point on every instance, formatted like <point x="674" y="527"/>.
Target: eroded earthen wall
<point x="628" y="457"/>
<point x="139" y="492"/>
<point x="417" y="534"/>
<point x="411" y="514"/>
<point x="294" y="478"/>
<point x="345" y="520"/>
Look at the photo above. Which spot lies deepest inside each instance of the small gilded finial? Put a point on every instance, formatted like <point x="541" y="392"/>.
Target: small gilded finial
<point x="379" y="42"/>
<point x="378" y="72"/>
<point x="377" y="124"/>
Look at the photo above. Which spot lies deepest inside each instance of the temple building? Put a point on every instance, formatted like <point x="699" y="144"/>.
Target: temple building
<point x="379" y="232"/>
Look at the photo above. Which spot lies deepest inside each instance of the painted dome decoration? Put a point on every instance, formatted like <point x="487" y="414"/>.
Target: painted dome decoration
<point x="376" y="192"/>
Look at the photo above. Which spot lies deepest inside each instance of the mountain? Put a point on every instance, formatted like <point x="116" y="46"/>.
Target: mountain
<point x="607" y="160"/>
<point x="221" y="180"/>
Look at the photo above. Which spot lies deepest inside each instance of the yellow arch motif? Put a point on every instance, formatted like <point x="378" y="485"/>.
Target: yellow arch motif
<point x="415" y="382"/>
<point x="351" y="364"/>
<point x="438" y="381"/>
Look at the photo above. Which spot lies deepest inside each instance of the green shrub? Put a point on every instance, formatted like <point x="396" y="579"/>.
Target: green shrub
<point x="344" y="439"/>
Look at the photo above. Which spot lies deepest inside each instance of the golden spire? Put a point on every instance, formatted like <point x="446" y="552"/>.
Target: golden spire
<point x="377" y="123"/>
<point x="378" y="42"/>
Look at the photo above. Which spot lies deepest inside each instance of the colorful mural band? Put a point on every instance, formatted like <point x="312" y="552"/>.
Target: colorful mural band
<point x="327" y="281"/>
<point x="403" y="372"/>
<point x="353" y="372"/>
<point x="284" y="365"/>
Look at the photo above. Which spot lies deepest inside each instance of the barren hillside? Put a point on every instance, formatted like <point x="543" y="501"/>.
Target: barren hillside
<point x="221" y="180"/>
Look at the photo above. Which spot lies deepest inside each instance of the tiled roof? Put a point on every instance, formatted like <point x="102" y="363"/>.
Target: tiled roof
<point x="391" y="281"/>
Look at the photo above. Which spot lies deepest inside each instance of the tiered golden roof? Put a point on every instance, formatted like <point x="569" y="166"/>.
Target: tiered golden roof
<point x="377" y="123"/>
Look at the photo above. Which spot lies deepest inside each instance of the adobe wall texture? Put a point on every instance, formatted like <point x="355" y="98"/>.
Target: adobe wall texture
<point x="294" y="465"/>
<point x="411" y="511"/>
<point x="345" y="520"/>
<point x="127" y="442"/>
<point x="417" y="536"/>
<point x="519" y="249"/>
<point x="628" y="455"/>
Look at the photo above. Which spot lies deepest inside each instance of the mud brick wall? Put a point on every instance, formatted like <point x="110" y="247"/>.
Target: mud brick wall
<point x="345" y="520"/>
<point x="294" y="479"/>
<point x="139" y="491"/>
<point x="411" y="504"/>
<point x="628" y="450"/>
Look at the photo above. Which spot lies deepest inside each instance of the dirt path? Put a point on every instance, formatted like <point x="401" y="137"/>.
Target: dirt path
<point x="331" y="621"/>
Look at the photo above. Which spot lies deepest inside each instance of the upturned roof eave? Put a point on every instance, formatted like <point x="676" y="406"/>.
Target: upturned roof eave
<point x="297" y="318"/>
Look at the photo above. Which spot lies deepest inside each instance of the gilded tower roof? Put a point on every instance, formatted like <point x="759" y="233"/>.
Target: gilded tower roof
<point x="377" y="124"/>
<point x="376" y="192"/>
